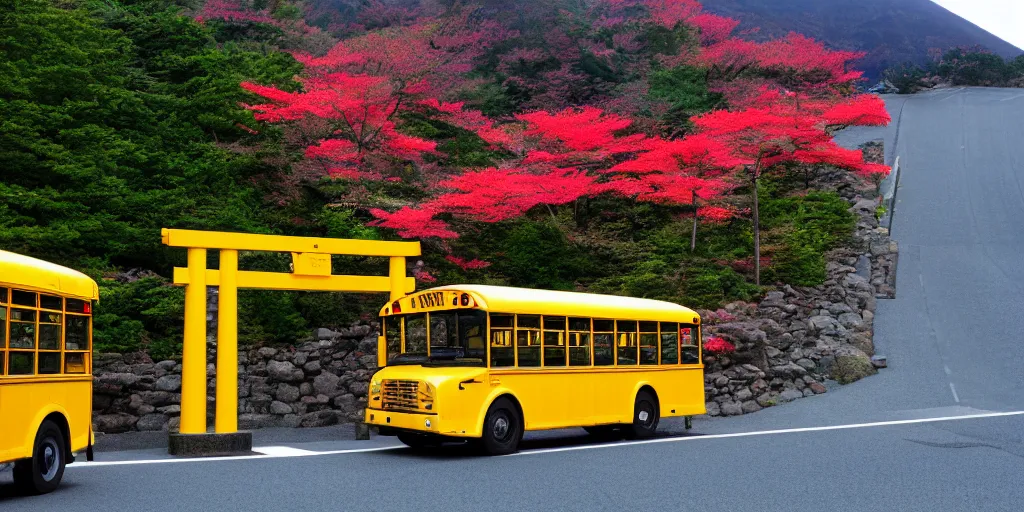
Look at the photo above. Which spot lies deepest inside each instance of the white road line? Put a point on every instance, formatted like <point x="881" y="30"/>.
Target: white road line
<point x="771" y="432"/>
<point x="220" y="459"/>
<point x="282" y="451"/>
<point x="955" y="396"/>
<point x="279" y="452"/>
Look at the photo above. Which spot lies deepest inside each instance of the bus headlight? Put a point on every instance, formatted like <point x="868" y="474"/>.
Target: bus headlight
<point x="375" y="390"/>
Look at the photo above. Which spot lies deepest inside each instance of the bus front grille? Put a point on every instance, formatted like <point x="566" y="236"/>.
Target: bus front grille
<point x="400" y="395"/>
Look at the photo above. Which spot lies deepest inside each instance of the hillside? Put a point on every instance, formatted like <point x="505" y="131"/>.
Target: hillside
<point x="890" y="31"/>
<point x="598" y="147"/>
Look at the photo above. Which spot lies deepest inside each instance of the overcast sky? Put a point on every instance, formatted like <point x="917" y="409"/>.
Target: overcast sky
<point x="1004" y="18"/>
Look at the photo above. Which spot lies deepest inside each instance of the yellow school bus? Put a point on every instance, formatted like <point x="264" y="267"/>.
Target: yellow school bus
<point x="45" y="369"/>
<point x="486" y="363"/>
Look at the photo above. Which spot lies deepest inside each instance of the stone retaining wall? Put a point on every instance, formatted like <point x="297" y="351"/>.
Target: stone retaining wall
<point x="318" y="383"/>
<point x="797" y="342"/>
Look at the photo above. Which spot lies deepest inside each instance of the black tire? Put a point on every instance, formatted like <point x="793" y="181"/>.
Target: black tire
<point x="503" y="428"/>
<point x="419" y="441"/>
<point x="43" y="472"/>
<point x="646" y="415"/>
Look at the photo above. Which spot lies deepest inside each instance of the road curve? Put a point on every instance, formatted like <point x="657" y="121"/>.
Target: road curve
<point x="939" y="430"/>
<point x="954" y="332"/>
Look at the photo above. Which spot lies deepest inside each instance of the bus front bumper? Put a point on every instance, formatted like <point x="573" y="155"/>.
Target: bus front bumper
<point x="409" y="421"/>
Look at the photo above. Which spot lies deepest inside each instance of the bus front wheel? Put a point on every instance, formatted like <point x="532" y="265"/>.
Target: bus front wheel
<point x="646" y="415"/>
<point x="43" y="472"/>
<point x="503" y="428"/>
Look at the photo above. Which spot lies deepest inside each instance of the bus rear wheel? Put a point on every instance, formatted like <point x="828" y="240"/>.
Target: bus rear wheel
<point x="43" y="472"/>
<point x="646" y="415"/>
<point x="503" y="428"/>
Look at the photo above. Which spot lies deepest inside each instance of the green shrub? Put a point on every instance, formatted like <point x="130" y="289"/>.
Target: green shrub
<point x="340" y="223"/>
<point x="708" y="286"/>
<point x="652" y="279"/>
<point x="269" y="317"/>
<point x="803" y="229"/>
<point x="685" y="89"/>
<point x="537" y="255"/>
<point x="974" y="67"/>
<point x="800" y="260"/>
<point x="141" y="314"/>
<point x="905" y="77"/>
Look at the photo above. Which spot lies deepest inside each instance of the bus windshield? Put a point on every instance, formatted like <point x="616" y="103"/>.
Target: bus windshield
<point x="454" y="338"/>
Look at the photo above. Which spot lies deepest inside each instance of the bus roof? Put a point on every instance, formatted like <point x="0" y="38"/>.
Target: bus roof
<point x="550" y="302"/>
<point x="20" y="271"/>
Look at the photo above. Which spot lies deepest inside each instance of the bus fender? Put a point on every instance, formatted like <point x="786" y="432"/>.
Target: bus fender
<point x="636" y="390"/>
<point x="37" y="422"/>
<point x="491" y="397"/>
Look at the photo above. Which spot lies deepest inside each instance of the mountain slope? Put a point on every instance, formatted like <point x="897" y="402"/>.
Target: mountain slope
<point x="890" y="31"/>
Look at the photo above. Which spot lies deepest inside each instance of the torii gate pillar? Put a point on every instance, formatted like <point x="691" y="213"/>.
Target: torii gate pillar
<point x="311" y="271"/>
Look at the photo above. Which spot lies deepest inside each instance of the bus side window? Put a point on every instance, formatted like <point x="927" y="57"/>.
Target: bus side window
<point x="49" y="330"/>
<point x="76" y="336"/>
<point x="22" y="335"/>
<point x="688" y="344"/>
<point x="471" y="334"/>
<point x="528" y="340"/>
<point x="74" y="363"/>
<point x="24" y="326"/>
<point x="604" y="343"/>
<point x="76" y="332"/>
<point x="3" y="335"/>
<point x="502" y="350"/>
<point x="21" y="363"/>
<point x="648" y="342"/>
<point x="579" y="342"/>
<point x="625" y="330"/>
<point x="23" y="329"/>
<point x="554" y="341"/>
<point x="669" y="343"/>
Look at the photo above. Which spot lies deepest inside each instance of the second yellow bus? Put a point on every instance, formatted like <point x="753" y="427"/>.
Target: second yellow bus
<point x="487" y="363"/>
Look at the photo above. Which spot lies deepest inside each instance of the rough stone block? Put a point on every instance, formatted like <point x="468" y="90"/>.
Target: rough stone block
<point x="209" y="445"/>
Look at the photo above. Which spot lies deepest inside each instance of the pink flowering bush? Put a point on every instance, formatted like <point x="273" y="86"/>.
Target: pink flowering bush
<point x="717" y="345"/>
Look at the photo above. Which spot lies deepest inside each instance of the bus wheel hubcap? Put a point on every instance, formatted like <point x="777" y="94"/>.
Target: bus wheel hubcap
<point x="501" y="428"/>
<point x="646" y="414"/>
<point x="50" y="460"/>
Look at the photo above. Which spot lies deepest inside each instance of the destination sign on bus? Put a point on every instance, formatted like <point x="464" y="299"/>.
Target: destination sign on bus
<point x="434" y="300"/>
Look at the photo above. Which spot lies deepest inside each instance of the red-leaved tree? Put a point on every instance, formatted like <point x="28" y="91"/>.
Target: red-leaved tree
<point x="349" y="121"/>
<point x="771" y="138"/>
<point x="437" y="51"/>
<point x="568" y="155"/>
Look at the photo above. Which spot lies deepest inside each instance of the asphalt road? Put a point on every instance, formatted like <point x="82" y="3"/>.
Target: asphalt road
<point x="940" y="430"/>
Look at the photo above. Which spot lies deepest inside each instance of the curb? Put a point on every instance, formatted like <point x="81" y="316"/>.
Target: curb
<point x="889" y="188"/>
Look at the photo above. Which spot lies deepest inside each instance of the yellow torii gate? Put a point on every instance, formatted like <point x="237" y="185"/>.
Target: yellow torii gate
<point x="311" y="271"/>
